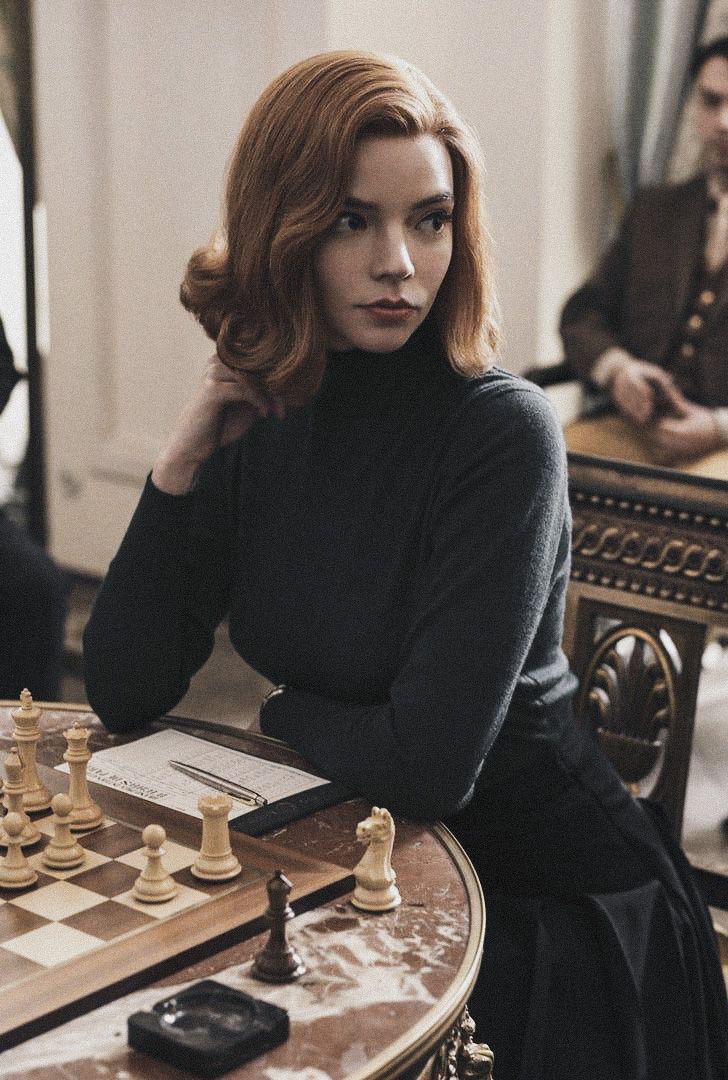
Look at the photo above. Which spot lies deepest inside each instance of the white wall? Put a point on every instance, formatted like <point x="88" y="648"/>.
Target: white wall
<point x="576" y="138"/>
<point x="14" y="417"/>
<point x="138" y="104"/>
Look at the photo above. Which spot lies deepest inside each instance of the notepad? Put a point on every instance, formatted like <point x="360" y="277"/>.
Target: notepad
<point x="141" y="768"/>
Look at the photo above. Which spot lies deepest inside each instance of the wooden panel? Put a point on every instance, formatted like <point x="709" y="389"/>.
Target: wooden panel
<point x="649" y="565"/>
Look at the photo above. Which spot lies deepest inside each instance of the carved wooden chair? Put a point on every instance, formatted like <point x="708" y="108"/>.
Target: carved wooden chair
<point x="649" y="584"/>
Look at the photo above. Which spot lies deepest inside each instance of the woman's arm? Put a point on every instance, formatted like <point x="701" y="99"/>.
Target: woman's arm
<point x="154" y="619"/>
<point x="153" y="622"/>
<point x="499" y="522"/>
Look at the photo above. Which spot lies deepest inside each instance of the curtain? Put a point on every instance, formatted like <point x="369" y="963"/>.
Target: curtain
<point x="649" y="47"/>
<point x="14" y="72"/>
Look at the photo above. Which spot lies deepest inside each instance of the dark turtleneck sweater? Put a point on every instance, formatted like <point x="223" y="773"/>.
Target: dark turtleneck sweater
<point x="396" y="553"/>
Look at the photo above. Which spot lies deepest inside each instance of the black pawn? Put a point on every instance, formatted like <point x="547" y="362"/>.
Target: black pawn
<point x="277" y="961"/>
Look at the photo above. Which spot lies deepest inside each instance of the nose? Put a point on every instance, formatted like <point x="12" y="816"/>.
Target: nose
<point x="723" y="116"/>
<point x="391" y="256"/>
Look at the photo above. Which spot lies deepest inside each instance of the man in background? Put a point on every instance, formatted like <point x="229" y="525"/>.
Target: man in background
<point x="650" y="327"/>
<point x="32" y="595"/>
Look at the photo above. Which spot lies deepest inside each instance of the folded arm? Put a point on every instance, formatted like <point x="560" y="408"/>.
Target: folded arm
<point x="153" y="622"/>
<point x="496" y="523"/>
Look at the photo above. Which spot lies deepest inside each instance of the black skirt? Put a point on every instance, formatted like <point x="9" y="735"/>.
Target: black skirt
<point x="600" y="961"/>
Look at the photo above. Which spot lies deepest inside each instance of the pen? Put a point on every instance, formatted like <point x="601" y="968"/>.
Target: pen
<point x="219" y="783"/>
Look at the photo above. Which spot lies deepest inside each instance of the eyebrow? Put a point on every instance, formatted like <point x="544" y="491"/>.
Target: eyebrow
<point x="714" y="95"/>
<point x="421" y="204"/>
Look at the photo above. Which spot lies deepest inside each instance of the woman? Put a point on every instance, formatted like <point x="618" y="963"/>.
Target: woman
<point x="382" y="514"/>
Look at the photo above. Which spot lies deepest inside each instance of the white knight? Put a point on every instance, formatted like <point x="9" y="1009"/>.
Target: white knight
<point x="375" y="879"/>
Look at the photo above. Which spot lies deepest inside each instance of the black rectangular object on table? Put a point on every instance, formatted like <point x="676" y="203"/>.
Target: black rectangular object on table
<point x="291" y="808"/>
<point x="208" y="1029"/>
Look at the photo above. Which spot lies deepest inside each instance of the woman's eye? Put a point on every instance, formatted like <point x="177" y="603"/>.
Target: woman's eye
<point x="436" y="221"/>
<point x="349" y="222"/>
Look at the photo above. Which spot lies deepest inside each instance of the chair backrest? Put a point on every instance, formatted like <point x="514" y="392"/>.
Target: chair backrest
<point x="649" y="584"/>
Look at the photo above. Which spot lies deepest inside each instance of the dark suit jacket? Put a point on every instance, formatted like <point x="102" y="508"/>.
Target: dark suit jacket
<point x="638" y="295"/>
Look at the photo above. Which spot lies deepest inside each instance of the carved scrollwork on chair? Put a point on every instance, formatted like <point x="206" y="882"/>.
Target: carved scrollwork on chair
<point x="460" y="1058"/>
<point x="628" y="698"/>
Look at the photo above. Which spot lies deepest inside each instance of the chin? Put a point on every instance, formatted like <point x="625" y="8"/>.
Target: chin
<point x="387" y="339"/>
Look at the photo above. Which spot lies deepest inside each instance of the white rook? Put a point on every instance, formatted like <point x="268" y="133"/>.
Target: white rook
<point x="216" y="861"/>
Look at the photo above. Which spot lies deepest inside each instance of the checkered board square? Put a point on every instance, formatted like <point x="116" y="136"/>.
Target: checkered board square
<point x="77" y="934"/>
<point x="68" y="913"/>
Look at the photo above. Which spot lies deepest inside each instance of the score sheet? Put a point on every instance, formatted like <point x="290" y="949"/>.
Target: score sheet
<point x="141" y="768"/>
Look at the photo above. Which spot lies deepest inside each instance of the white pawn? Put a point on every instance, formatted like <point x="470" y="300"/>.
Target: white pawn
<point x="375" y="879"/>
<point x="62" y="852"/>
<point x="154" y="885"/>
<point x="215" y="861"/>
<point x="15" y="870"/>
<point x="14" y="791"/>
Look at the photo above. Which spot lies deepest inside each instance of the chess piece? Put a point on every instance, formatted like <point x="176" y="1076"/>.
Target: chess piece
<point x="14" y="788"/>
<point x="85" y="813"/>
<point x="15" y="871"/>
<point x="26" y="735"/>
<point x="375" y="879"/>
<point x="215" y="861"/>
<point x="62" y="852"/>
<point x="277" y="961"/>
<point x="154" y="885"/>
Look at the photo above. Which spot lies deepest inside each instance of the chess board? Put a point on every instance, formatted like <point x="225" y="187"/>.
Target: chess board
<point x="77" y="938"/>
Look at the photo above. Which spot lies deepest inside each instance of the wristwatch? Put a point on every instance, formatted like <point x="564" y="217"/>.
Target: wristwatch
<point x="271" y="694"/>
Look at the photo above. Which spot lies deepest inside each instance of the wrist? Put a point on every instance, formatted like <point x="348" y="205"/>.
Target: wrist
<point x="608" y="365"/>
<point x="175" y="476"/>
<point x="276" y="692"/>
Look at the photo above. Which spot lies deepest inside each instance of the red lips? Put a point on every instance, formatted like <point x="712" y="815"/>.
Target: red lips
<point x="393" y="305"/>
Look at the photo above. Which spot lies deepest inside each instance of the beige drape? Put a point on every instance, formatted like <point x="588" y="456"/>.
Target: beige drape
<point x="13" y="73"/>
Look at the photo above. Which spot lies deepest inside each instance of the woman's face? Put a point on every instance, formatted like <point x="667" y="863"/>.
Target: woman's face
<point x="380" y="267"/>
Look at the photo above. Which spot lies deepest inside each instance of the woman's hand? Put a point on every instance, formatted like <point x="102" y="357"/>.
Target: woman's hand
<point x="224" y="407"/>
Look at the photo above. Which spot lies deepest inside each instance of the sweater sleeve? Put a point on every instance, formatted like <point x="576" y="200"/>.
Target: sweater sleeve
<point x="496" y="521"/>
<point x="591" y="318"/>
<point x="153" y="622"/>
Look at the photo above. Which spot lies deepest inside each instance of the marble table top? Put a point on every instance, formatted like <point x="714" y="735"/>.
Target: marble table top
<point x="378" y="989"/>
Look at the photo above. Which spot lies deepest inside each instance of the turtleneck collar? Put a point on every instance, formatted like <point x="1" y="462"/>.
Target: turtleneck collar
<point x="425" y="339"/>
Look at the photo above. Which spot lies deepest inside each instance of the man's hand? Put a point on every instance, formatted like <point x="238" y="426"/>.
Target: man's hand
<point x="680" y="438"/>
<point x="643" y="391"/>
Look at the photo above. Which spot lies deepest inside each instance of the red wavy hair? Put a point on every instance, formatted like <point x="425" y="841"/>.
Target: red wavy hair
<point x="253" y="289"/>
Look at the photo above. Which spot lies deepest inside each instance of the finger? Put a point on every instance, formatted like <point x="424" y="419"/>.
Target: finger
<point x="678" y="402"/>
<point x="640" y="402"/>
<point x="660" y="376"/>
<point x="237" y="386"/>
<point x="667" y="427"/>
